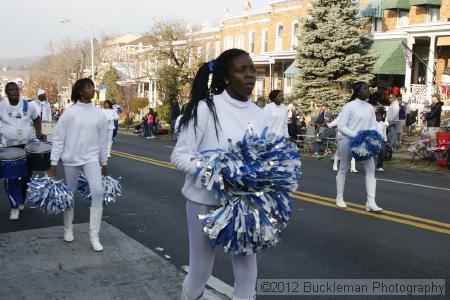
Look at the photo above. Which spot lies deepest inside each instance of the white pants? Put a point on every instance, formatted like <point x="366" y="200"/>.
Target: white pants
<point x="336" y="159"/>
<point x="110" y="141"/>
<point x="346" y="156"/>
<point x="201" y="259"/>
<point x="93" y="174"/>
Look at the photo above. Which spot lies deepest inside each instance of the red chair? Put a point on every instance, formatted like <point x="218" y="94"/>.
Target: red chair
<point x="441" y="149"/>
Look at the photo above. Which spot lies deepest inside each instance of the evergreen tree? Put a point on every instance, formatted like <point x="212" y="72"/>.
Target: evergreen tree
<point x="110" y="81"/>
<point x="333" y="53"/>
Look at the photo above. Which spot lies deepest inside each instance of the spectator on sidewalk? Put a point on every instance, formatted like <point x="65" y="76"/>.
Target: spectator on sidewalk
<point x="315" y="111"/>
<point x="324" y="118"/>
<point x="327" y="133"/>
<point x="151" y="119"/>
<point x="177" y="121"/>
<point x="393" y="121"/>
<point x="381" y="128"/>
<point x="445" y="84"/>
<point x="401" y="119"/>
<point x="433" y="118"/>
<point x="174" y="113"/>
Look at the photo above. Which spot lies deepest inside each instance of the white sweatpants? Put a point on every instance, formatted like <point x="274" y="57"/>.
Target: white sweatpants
<point x="93" y="174"/>
<point x="110" y="141"/>
<point x="345" y="156"/>
<point x="336" y="159"/>
<point x="201" y="259"/>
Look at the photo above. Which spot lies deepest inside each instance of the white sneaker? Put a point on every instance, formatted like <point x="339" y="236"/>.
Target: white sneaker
<point x="148" y="137"/>
<point x="380" y="170"/>
<point x="21" y="206"/>
<point x="354" y="171"/>
<point x="14" y="215"/>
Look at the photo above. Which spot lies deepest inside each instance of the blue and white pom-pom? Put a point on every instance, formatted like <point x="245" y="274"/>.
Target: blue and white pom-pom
<point x="366" y="144"/>
<point x="111" y="189"/>
<point x="50" y="195"/>
<point x="253" y="180"/>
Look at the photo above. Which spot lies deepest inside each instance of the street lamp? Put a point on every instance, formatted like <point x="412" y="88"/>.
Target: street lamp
<point x="65" y="21"/>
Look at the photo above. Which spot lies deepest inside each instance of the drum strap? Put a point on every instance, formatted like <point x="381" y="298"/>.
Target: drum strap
<point x="19" y="122"/>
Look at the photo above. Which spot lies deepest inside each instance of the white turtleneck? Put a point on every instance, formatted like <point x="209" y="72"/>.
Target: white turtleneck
<point x="356" y="115"/>
<point x="277" y="118"/>
<point x="233" y="121"/>
<point x="81" y="136"/>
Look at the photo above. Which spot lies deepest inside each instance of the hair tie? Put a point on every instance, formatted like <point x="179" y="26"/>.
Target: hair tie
<point x="211" y="66"/>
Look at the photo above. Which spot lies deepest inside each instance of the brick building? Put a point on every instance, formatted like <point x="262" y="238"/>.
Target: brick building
<point x="423" y="26"/>
<point x="270" y="36"/>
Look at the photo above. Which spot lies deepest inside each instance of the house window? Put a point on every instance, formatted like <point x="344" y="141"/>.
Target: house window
<point x="228" y="42"/>
<point x="207" y="51"/>
<point x="265" y="40"/>
<point x="217" y="49"/>
<point x="288" y="86"/>
<point x="251" y="42"/>
<point x="240" y="42"/>
<point x="403" y="17"/>
<point x="294" y="38"/>
<point x="279" y="44"/>
<point x="377" y="25"/>
<point x="260" y="82"/>
<point x="434" y="13"/>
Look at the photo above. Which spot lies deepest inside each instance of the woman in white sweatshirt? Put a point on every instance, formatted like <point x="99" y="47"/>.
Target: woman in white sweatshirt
<point x="111" y="115"/>
<point x="213" y="116"/>
<point x="276" y="114"/>
<point x="355" y="116"/>
<point x="81" y="142"/>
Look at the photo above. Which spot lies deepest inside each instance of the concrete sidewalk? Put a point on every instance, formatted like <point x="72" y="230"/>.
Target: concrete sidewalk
<point x="38" y="264"/>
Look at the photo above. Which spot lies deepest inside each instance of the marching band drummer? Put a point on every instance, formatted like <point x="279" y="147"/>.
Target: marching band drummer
<point x="15" y="116"/>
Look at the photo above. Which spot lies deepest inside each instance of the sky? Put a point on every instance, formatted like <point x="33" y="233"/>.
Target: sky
<point x="28" y="25"/>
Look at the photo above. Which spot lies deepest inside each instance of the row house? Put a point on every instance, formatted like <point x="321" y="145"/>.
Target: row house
<point x="268" y="35"/>
<point x="412" y="38"/>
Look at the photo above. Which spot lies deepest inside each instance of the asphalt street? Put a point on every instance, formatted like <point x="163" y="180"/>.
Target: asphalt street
<point x="411" y="239"/>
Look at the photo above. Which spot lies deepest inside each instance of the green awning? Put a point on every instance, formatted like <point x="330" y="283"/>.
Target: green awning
<point x="394" y="4"/>
<point x="372" y="9"/>
<point x="291" y="71"/>
<point x="391" y="59"/>
<point x="425" y="2"/>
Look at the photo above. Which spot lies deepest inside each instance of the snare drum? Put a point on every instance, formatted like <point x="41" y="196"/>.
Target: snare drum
<point x="13" y="163"/>
<point x="38" y="156"/>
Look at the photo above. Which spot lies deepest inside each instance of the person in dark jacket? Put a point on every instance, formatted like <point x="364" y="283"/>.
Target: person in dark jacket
<point x="433" y="118"/>
<point x="174" y="113"/>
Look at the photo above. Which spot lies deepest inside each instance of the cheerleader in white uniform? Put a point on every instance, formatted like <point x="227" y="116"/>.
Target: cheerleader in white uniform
<point x="80" y="141"/>
<point x="356" y="115"/>
<point x="212" y="117"/>
<point x="111" y="116"/>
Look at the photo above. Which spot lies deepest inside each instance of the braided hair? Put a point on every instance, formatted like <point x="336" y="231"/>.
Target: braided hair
<point x="356" y="89"/>
<point x="219" y="68"/>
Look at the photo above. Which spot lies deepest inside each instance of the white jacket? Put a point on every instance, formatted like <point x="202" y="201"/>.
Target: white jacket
<point x="277" y="118"/>
<point x="356" y="115"/>
<point x="81" y="136"/>
<point x="234" y="117"/>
